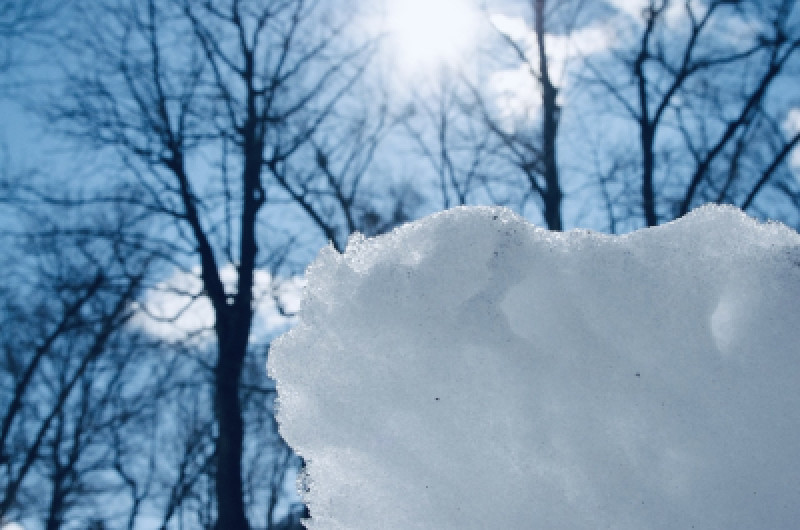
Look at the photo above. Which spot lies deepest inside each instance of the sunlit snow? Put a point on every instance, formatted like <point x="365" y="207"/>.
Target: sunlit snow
<point x="473" y="371"/>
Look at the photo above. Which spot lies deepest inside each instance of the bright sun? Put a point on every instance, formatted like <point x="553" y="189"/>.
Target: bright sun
<point x="425" y="34"/>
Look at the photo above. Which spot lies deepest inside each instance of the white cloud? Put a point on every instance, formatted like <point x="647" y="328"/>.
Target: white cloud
<point x="176" y="307"/>
<point x="674" y="12"/>
<point x="516" y="90"/>
<point x="792" y="126"/>
<point x="633" y="8"/>
<point x="516" y="94"/>
<point x="514" y="27"/>
<point x="792" y="122"/>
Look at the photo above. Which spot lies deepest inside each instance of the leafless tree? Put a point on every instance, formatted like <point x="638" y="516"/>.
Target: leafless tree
<point x="532" y="149"/>
<point x="224" y="114"/>
<point x="536" y="156"/>
<point x="707" y="108"/>
<point x="67" y="356"/>
<point x="456" y="147"/>
<point x="479" y="148"/>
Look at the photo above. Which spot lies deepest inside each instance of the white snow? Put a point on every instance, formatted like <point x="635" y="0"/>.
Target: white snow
<point x="472" y="371"/>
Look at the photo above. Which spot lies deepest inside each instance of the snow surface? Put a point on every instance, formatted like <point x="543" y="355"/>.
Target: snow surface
<point x="473" y="371"/>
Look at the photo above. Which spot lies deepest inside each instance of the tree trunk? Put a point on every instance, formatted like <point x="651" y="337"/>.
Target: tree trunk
<point x="232" y="340"/>
<point x="648" y="189"/>
<point x="550" y="116"/>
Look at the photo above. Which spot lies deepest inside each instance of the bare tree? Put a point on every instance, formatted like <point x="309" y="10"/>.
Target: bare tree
<point x="532" y="150"/>
<point x="705" y="106"/>
<point x="223" y="114"/>
<point x="66" y="355"/>
<point x="482" y="149"/>
<point x="456" y="147"/>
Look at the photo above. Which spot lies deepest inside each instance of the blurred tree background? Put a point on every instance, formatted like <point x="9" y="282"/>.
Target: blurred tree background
<point x="170" y="167"/>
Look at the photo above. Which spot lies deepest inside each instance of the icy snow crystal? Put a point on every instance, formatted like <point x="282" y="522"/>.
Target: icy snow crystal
<point x="473" y="371"/>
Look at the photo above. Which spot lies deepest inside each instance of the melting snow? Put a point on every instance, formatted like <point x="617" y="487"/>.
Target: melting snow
<point x="473" y="371"/>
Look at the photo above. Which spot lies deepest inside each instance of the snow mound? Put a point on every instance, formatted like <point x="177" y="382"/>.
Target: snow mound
<point x="473" y="371"/>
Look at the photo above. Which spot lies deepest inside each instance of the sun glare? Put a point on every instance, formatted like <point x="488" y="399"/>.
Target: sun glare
<point x="425" y="34"/>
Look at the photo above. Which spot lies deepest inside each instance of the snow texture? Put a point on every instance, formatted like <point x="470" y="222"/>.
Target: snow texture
<point x="473" y="371"/>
